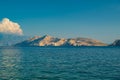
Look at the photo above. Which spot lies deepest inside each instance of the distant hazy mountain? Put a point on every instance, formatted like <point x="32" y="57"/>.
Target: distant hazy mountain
<point x="10" y="39"/>
<point x="52" y="41"/>
<point x="116" y="43"/>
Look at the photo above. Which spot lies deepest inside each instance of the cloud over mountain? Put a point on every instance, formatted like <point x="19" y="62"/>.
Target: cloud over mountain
<point x="9" y="27"/>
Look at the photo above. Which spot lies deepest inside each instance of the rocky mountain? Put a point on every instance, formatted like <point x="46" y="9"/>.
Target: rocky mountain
<point x="116" y="43"/>
<point x="10" y="39"/>
<point x="52" y="41"/>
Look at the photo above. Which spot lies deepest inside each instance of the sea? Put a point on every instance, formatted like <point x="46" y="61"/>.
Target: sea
<point x="59" y="63"/>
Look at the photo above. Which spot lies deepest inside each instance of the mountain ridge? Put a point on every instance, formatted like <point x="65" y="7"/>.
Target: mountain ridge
<point x="53" y="41"/>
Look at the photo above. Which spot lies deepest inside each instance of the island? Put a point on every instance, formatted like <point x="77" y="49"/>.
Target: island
<point x="53" y="41"/>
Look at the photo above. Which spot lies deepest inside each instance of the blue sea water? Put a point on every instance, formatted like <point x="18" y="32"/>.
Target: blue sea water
<point x="57" y="63"/>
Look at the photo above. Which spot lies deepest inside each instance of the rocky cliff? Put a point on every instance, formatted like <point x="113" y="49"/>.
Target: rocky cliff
<point x="52" y="41"/>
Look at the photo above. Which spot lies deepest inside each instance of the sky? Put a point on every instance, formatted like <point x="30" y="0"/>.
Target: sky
<point x="97" y="19"/>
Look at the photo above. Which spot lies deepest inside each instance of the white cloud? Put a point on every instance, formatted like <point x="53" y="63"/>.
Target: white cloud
<point x="9" y="27"/>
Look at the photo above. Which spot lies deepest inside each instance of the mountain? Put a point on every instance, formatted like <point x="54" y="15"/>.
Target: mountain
<point x="52" y="41"/>
<point x="85" y="42"/>
<point x="116" y="43"/>
<point x="10" y="39"/>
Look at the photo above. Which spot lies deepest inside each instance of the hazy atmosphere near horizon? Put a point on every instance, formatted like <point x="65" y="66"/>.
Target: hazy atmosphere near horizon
<point x="59" y="39"/>
<point x="97" y="19"/>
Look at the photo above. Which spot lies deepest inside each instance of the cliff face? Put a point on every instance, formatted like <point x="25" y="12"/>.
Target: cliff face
<point x="116" y="43"/>
<point x="51" y="41"/>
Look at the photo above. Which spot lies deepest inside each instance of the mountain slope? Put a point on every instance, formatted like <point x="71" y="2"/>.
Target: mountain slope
<point x="85" y="42"/>
<point x="52" y="41"/>
<point x="116" y="43"/>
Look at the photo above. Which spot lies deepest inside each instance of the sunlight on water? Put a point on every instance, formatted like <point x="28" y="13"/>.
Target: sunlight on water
<point x="9" y="63"/>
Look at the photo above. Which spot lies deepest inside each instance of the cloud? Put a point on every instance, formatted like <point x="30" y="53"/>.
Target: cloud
<point x="9" y="27"/>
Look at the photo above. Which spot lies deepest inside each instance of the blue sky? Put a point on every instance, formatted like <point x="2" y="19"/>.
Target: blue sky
<point x="98" y="19"/>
